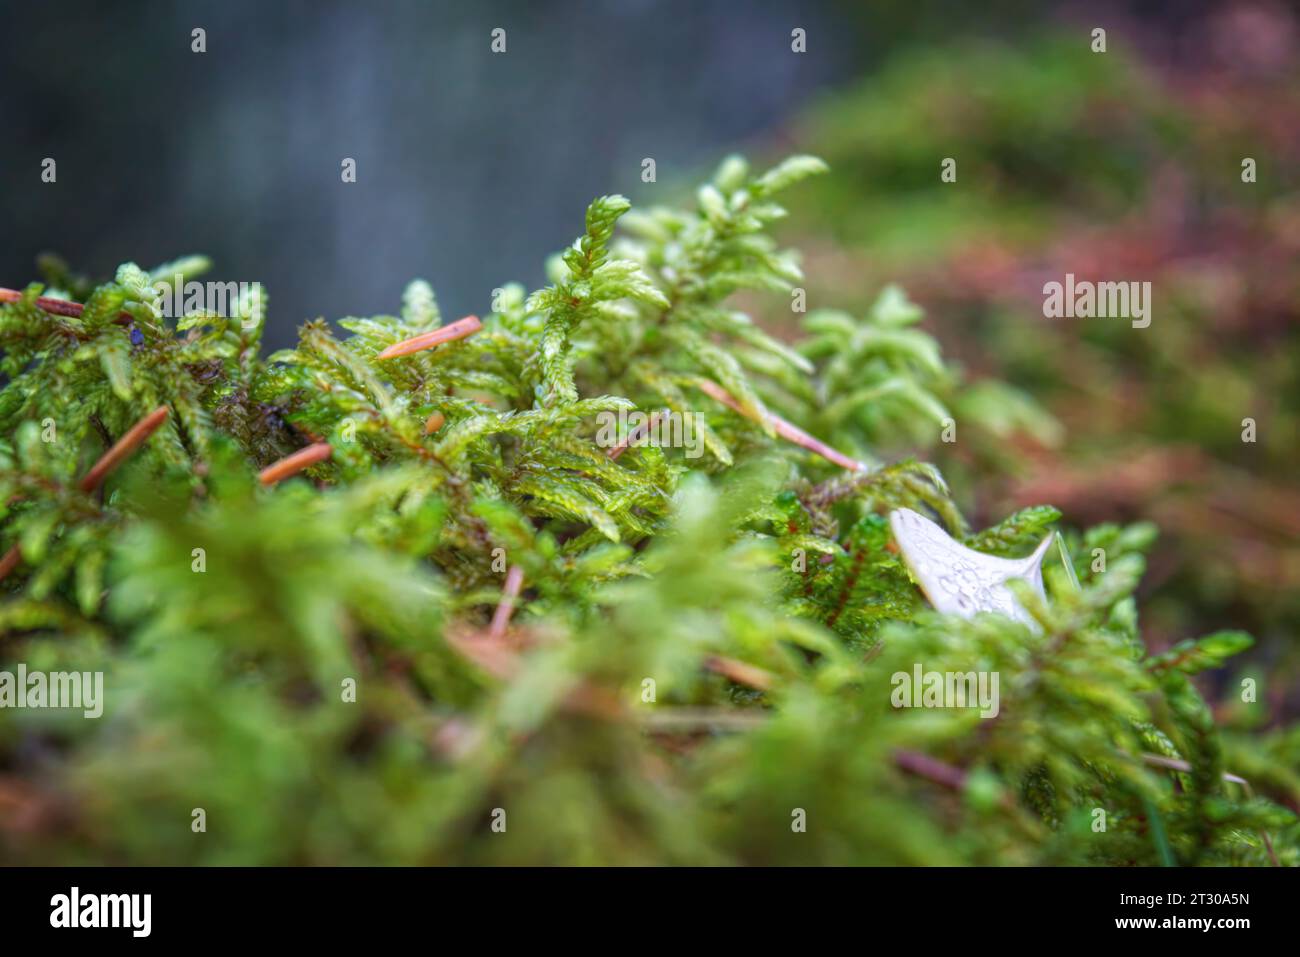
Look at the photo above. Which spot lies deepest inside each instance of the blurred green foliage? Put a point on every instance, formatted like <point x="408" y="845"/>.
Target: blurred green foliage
<point x="1122" y="166"/>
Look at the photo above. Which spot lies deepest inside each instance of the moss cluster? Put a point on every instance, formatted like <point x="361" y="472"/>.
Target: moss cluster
<point x="362" y="602"/>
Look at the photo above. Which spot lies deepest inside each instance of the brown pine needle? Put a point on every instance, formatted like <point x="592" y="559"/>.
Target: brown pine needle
<point x="506" y="607"/>
<point x="742" y="673"/>
<point x="932" y="769"/>
<point x="1174" y="764"/>
<point x="787" y="430"/>
<point x="685" y="720"/>
<point x="59" y="307"/>
<point x="433" y="423"/>
<point x="135" y="437"/>
<point x="295" y="463"/>
<point x="634" y="435"/>
<point x="427" y="340"/>
<point x="10" y="561"/>
<point x="498" y="658"/>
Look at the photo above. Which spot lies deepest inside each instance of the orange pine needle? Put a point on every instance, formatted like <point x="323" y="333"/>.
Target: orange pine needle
<point x="427" y="340"/>
<point x="135" y="437"/>
<point x="295" y="463"/>
<point x="787" y="430"/>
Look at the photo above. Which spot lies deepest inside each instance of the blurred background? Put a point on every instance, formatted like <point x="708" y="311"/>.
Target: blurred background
<point x="471" y="167"/>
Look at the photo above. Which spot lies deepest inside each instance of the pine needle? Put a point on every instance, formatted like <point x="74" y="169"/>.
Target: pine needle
<point x="787" y="430"/>
<point x="293" y="464"/>
<point x="123" y="447"/>
<point x="427" y="340"/>
<point x="59" y="307"/>
<point x="10" y="561"/>
<point x="506" y="607"/>
<point x="135" y="437"/>
<point x="634" y="436"/>
<point x="741" y="672"/>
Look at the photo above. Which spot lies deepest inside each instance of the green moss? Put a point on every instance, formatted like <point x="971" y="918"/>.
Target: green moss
<point x="701" y="649"/>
